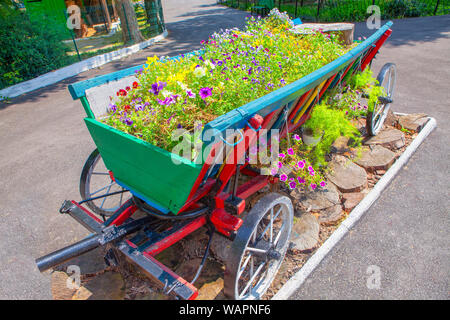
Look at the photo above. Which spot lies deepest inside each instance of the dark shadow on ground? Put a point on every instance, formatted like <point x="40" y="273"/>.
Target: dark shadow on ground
<point x="412" y="31"/>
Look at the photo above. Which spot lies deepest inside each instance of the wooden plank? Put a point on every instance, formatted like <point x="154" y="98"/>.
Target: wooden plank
<point x="345" y="30"/>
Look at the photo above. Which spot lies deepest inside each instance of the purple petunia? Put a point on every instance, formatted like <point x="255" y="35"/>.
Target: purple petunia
<point x="157" y="87"/>
<point x="292" y="185"/>
<point x="190" y="94"/>
<point x="301" y="180"/>
<point x="205" y="92"/>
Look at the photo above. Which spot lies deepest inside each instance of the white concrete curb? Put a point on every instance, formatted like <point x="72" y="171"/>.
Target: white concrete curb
<point x="76" y="68"/>
<point x="297" y="280"/>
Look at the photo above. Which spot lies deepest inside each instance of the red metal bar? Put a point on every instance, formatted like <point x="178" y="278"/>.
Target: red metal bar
<point x="377" y="47"/>
<point x="251" y="186"/>
<point x="163" y="244"/>
<point x="90" y="214"/>
<point x="128" y="212"/>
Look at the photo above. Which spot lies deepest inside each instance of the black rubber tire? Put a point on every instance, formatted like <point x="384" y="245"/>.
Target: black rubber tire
<point x="374" y="123"/>
<point x="242" y="240"/>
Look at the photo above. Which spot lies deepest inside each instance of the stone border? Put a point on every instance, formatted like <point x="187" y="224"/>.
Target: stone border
<point x="297" y="280"/>
<point x="76" y="68"/>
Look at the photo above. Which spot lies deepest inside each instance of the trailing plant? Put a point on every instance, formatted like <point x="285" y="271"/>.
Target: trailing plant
<point x="329" y="123"/>
<point x="294" y="166"/>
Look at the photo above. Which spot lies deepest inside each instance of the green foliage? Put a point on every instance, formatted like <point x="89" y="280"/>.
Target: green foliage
<point x="27" y="49"/>
<point x="404" y="8"/>
<point x="362" y="80"/>
<point x="330" y="123"/>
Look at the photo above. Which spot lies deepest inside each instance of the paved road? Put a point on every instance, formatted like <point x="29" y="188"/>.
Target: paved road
<point x="45" y="143"/>
<point x="406" y="232"/>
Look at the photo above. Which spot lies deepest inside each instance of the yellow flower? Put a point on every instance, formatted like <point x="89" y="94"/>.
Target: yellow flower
<point x="150" y="60"/>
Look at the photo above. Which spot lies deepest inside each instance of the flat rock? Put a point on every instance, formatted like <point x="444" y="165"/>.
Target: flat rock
<point x="352" y="199"/>
<point x="59" y="287"/>
<point x="340" y="145"/>
<point x="331" y="215"/>
<point x="413" y="121"/>
<point x="305" y="233"/>
<point x="346" y="175"/>
<point x="106" y="286"/>
<point x="319" y="199"/>
<point x="82" y="294"/>
<point x="376" y="158"/>
<point x="211" y="290"/>
<point x="220" y="247"/>
<point x="391" y="118"/>
<point x="208" y="279"/>
<point x="389" y="138"/>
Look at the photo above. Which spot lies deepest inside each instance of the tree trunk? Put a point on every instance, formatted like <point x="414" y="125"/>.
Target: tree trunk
<point x="128" y="22"/>
<point x="155" y="19"/>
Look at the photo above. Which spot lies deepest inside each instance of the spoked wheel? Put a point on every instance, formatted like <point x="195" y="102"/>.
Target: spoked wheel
<point x="259" y="248"/>
<point x="95" y="181"/>
<point x="386" y="79"/>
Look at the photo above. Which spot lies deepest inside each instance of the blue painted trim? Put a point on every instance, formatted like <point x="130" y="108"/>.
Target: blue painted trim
<point x="297" y="21"/>
<point x="140" y="196"/>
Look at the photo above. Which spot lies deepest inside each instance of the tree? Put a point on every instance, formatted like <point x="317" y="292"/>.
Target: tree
<point x="128" y="22"/>
<point x="155" y="19"/>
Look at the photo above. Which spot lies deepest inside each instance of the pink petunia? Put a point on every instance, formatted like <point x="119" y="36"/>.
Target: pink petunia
<point x="279" y="164"/>
<point x="297" y="137"/>
<point x="323" y="184"/>
<point x="310" y="168"/>
<point x="312" y="173"/>
<point x="290" y="151"/>
<point x="292" y="185"/>
<point x="301" y="164"/>
<point x="301" y="180"/>
<point x="282" y="155"/>
<point x="273" y="171"/>
<point x="313" y="186"/>
<point x="283" y="177"/>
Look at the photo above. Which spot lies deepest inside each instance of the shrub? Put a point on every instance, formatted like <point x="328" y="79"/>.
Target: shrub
<point x="404" y="8"/>
<point x="330" y="123"/>
<point x="27" y="49"/>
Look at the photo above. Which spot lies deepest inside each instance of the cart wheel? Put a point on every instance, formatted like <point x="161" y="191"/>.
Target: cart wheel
<point x="386" y="78"/>
<point x="259" y="248"/>
<point x="96" y="181"/>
